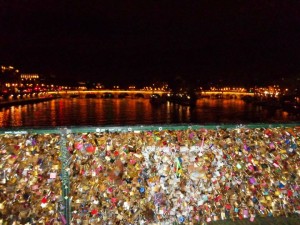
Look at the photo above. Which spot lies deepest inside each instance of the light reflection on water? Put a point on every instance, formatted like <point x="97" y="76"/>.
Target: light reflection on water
<point x="92" y="112"/>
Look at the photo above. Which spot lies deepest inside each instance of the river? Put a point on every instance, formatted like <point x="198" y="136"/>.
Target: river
<point x="97" y="112"/>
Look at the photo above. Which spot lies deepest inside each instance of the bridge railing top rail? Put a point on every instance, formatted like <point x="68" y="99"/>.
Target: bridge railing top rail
<point x="140" y="128"/>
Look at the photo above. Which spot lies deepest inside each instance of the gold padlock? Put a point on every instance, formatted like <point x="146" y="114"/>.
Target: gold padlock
<point x="2" y="205"/>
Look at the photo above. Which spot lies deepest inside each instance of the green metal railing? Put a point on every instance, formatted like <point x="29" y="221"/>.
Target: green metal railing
<point x="65" y="156"/>
<point x="65" y="177"/>
<point x="79" y="129"/>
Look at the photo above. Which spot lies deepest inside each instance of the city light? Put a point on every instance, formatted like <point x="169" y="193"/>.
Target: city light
<point x="16" y="84"/>
<point x="228" y="89"/>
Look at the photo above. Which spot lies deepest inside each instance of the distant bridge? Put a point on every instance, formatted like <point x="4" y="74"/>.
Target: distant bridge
<point x="108" y="93"/>
<point x="226" y="94"/>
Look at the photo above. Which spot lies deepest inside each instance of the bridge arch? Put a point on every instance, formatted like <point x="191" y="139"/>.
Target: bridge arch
<point x="89" y="95"/>
<point x="108" y="95"/>
<point x="227" y="96"/>
<point x="217" y="96"/>
<point x="123" y="95"/>
<point x="139" y="95"/>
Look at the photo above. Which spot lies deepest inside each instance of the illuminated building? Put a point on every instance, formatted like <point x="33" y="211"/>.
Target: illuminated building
<point x="29" y="77"/>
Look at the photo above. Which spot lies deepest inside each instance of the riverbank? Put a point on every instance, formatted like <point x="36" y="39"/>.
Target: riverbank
<point x="8" y="103"/>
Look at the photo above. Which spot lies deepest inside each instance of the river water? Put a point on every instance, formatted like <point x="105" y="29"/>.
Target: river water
<point x="97" y="112"/>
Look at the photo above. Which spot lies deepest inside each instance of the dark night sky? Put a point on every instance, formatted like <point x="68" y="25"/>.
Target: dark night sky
<point x="131" y="41"/>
